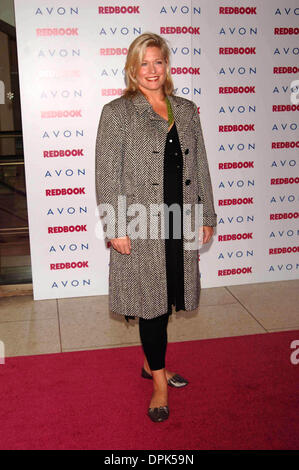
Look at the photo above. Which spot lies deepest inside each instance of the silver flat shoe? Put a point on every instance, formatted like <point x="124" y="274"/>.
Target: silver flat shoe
<point x="177" y="381"/>
<point x="158" y="415"/>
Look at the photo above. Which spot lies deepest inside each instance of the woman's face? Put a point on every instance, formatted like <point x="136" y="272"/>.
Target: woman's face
<point x="152" y="71"/>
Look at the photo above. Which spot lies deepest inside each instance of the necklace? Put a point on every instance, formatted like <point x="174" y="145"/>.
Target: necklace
<point x="169" y="111"/>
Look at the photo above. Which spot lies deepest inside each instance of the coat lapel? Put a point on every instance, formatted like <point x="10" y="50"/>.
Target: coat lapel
<point x="181" y="114"/>
<point x="181" y="118"/>
<point x="142" y="105"/>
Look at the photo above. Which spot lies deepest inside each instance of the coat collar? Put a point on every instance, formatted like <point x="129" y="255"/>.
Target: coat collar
<point x="181" y="118"/>
<point x="143" y="105"/>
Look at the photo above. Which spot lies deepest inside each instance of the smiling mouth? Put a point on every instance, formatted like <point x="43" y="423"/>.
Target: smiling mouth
<point x="152" y="79"/>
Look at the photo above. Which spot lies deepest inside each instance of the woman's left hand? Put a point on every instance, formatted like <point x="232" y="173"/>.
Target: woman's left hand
<point x="207" y="232"/>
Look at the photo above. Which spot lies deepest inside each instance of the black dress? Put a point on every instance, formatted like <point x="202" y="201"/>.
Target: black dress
<point x="173" y="193"/>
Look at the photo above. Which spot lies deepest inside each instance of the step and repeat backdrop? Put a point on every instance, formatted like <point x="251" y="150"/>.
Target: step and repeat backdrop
<point x="238" y="61"/>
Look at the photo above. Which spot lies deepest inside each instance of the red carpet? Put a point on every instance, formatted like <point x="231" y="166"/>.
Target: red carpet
<point x="243" y="394"/>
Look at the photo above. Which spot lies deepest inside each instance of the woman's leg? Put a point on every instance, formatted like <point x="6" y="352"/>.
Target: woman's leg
<point x="153" y="335"/>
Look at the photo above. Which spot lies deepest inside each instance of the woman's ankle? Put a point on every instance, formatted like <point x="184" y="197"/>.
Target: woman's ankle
<point x="159" y="379"/>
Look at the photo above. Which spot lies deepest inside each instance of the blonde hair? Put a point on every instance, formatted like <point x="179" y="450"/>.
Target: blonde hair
<point x="135" y="56"/>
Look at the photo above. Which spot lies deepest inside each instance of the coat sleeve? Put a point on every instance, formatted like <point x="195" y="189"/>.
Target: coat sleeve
<point x="206" y="192"/>
<point x="108" y="171"/>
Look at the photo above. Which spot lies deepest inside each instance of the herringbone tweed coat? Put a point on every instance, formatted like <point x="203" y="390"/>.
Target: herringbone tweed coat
<point x="129" y="161"/>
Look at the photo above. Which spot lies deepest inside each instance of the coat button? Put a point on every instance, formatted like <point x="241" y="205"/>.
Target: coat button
<point x="188" y="211"/>
<point x="186" y="151"/>
<point x="187" y="182"/>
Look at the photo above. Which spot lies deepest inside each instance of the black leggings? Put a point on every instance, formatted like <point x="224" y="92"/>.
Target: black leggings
<point x="153" y="335"/>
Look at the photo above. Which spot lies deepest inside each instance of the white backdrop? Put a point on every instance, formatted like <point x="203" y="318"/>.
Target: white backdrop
<point x="231" y="62"/>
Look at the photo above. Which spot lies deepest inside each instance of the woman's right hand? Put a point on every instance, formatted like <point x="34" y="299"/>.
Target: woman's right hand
<point x="122" y="245"/>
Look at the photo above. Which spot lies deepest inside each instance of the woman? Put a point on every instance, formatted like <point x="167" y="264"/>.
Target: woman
<point x="150" y="149"/>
